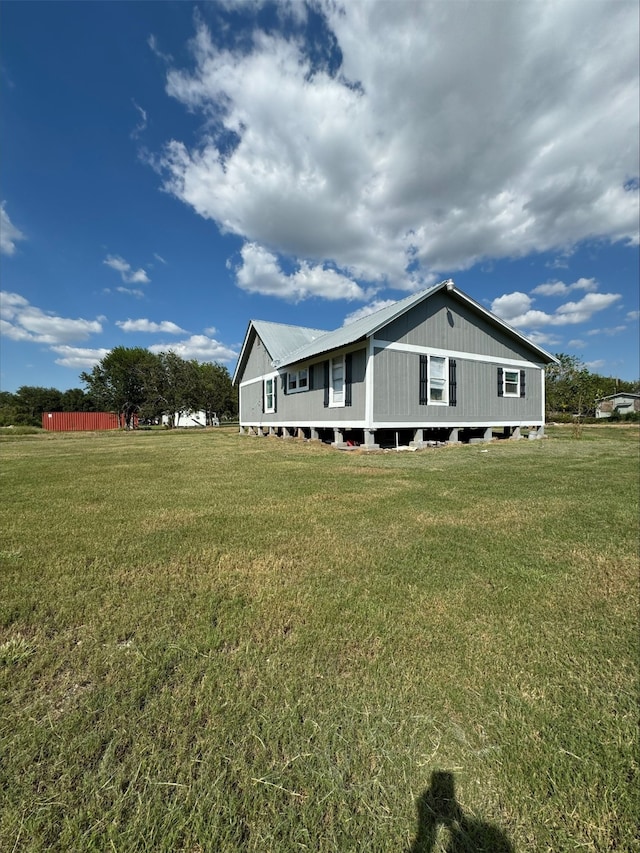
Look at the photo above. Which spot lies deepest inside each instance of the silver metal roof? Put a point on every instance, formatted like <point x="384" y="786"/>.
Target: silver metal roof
<point x="280" y="339"/>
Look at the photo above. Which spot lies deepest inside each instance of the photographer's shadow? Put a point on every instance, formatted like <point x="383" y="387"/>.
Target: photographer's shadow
<point x="437" y="807"/>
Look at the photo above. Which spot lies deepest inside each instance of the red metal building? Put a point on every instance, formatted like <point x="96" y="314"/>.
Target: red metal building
<point x="73" y="421"/>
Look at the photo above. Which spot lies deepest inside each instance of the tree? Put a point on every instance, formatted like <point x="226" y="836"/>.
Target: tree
<point x="75" y="400"/>
<point x="124" y="381"/>
<point x="216" y="394"/>
<point x="572" y="388"/>
<point x="31" y="401"/>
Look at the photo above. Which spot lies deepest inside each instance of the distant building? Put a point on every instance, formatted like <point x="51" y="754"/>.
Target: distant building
<point x="622" y="403"/>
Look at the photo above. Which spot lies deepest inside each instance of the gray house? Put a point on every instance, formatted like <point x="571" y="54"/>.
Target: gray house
<point x="433" y="366"/>
<point x="621" y="403"/>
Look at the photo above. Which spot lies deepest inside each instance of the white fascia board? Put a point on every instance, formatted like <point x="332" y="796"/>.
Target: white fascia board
<point x="468" y="356"/>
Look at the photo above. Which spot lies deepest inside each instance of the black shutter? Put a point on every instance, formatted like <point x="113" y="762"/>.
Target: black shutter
<point x="311" y="366"/>
<point x="348" y="373"/>
<point x="274" y="387"/>
<point x="522" y="383"/>
<point x="453" y="384"/>
<point x="500" y="382"/>
<point x="326" y="384"/>
<point x="285" y="378"/>
<point x="423" y="380"/>
<point x="264" y="394"/>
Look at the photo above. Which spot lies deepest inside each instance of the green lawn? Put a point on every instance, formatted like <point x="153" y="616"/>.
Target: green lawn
<point x="211" y="642"/>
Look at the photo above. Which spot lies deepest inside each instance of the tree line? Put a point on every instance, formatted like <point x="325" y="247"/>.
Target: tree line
<point x="134" y="384"/>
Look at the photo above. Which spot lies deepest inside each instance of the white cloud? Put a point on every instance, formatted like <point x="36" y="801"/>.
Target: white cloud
<point x="24" y="322"/>
<point x="366" y="310"/>
<point x="143" y="325"/>
<point x="595" y="365"/>
<point x="159" y="258"/>
<point x="451" y="133"/>
<point x="260" y="272"/>
<point x="559" y="288"/>
<point x="577" y="343"/>
<point x="633" y="315"/>
<point x="544" y="339"/>
<point x="127" y="273"/>
<point x="79" y="358"/>
<point x="131" y="291"/>
<point x="516" y="309"/>
<point x="9" y="234"/>
<point x="610" y="331"/>
<point x="199" y="347"/>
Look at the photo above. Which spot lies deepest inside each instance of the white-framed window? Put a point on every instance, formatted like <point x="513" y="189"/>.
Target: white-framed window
<point x="336" y="382"/>
<point x="298" y="380"/>
<point x="270" y="395"/>
<point x="434" y="380"/>
<point x="511" y="383"/>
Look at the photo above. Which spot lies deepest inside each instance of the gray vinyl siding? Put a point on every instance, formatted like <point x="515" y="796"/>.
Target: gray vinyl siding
<point x="397" y="397"/>
<point x="446" y="321"/>
<point x="305" y="407"/>
<point x="258" y="360"/>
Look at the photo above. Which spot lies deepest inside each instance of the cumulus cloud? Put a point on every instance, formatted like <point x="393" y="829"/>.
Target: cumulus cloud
<point x="427" y="141"/>
<point x="516" y="309"/>
<point x="559" y="288"/>
<point x="260" y="272"/>
<point x="633" y="315"/>
<point x="24" y="322"/>
<point x="9" y="234"/>
<point x="78" y="358"/>
<point x="127" y="273"/>
<point x="143" y="325"/>
<point x="199" y="347"/>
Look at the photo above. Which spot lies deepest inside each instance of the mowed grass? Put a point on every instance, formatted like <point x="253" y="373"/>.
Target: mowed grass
<point x="211" y="642"/>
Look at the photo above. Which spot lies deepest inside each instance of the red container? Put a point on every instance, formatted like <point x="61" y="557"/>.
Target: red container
<point x="74" y="421"/>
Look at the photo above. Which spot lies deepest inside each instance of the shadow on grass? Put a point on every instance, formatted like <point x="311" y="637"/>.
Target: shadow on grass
<point x="441" y="820"/>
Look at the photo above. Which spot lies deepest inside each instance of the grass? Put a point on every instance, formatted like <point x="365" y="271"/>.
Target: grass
<point x="214" y="642"/>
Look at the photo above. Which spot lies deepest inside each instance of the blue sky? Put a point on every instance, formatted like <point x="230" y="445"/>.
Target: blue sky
<point x="170" y="171"/>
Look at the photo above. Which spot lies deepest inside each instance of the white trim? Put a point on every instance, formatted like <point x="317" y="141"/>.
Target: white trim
<point x="543" y="393"/>
<point x="296" y="373"/>
<point x="506" y="393"/>
<point x="425" y="423"/>
<point x="273" y="378"/>
<point x="444" y="380"/>
<point x="468" y="356"/>
<point x="368" y="384"/>
<point x="253" y="381"/>
<point x="337" y="404"/>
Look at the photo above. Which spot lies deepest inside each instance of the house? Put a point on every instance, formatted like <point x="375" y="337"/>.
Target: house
<point x="433" y="366"/>
<point x="622" y="403"/>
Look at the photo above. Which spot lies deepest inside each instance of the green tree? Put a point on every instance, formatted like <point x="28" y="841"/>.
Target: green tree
<point x="31" y="401"/>
<point x="216" y="394"/>
<point x="75" y="400"/>
<point x="8" y="411"/>
<point x="124" y="382"/>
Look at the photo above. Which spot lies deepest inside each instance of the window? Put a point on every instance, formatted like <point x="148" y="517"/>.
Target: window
<point x="336" y="388"/>
<point x="510" y="382"/>
<point x="270" y="395"/>
<point x="298" y="381"/>
<point x="434" y="380"/>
